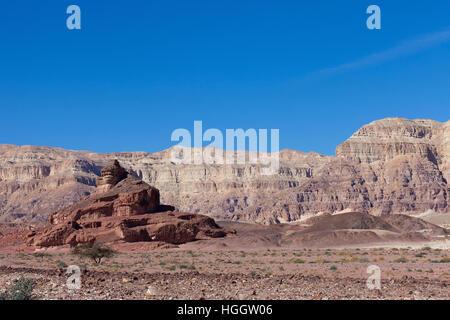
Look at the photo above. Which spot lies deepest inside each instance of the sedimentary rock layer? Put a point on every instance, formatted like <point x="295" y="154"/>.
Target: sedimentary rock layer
<point x="392" y="165"/>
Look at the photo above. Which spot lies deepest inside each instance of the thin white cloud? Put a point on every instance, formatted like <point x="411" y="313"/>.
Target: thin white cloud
<point x="403" y="49"/>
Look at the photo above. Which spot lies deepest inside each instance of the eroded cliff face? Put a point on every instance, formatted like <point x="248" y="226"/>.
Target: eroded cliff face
<point x="405" y="184"/>
<point x="37" y="181"/>
<point x="383" y="140"/>
<point x="388" y="166"/>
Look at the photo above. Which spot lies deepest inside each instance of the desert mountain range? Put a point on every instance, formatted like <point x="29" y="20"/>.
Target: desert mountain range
<point x="392" y="165"/>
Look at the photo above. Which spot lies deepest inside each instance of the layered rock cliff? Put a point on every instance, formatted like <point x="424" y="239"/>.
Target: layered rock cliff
<point x="36" y="181"/>
<point x="392" y="165"/>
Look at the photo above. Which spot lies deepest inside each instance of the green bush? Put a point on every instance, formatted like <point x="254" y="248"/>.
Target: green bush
<point x="22" y="290"/>
<point x="41" y="254"/>
<point x="96" y="253"/>
<point x="298" y="261"/>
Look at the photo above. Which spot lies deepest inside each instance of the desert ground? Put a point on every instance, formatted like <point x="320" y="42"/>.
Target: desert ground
<point x="264" y="274"/>
<point x="215" y="269"/>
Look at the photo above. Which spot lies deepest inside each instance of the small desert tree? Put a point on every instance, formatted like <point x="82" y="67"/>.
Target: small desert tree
<point x="96" y="252"/>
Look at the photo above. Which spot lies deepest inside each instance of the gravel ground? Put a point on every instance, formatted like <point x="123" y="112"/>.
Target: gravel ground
<point x="307" y="274"/>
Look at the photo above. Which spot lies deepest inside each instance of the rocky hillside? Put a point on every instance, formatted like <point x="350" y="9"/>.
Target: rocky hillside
<point x="388" y="166"/>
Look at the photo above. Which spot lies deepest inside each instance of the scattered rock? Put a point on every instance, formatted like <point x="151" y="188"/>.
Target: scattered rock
<point x="151" y="291"/>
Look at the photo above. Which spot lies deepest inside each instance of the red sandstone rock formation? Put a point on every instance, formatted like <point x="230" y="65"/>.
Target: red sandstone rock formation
<point x="123" y="208"/>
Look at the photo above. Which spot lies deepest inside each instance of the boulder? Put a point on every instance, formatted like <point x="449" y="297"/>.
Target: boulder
<point x="111" y="175"/>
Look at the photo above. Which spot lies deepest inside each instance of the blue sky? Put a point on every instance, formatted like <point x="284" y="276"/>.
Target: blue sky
<point x="137" y="70"/>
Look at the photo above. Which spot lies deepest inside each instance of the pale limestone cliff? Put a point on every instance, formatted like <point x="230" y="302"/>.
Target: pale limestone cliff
<point x="388" y="138"/>
<point x="388" y="166"/>
<point x="36" y="181"/>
